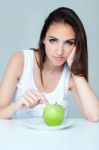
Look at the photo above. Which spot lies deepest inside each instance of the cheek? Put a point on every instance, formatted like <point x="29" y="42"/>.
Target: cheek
<point x="50" y="48"/>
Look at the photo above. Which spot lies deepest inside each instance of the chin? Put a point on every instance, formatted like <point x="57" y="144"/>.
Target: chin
<point x="59" y="64"/>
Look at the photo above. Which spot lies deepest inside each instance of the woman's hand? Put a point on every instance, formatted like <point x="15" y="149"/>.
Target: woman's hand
<point x="71" y="57"/>
<point x="30" y="99"/>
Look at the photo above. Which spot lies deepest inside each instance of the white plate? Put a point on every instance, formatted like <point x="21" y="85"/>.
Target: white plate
<point x="39" y="124"/>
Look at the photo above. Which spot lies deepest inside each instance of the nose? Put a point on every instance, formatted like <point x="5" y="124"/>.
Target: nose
<point x="60" y="50"/>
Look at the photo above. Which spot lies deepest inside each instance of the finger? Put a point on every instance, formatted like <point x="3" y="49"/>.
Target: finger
<point x="43" y="102"/>
<point x="71" y="57"/>
<point x="25" y="103"/>
<point x="32" y="100"/>
<point x="72" y="53"/>
<point x="32" y="94"/>
<point x="40" y="96"/>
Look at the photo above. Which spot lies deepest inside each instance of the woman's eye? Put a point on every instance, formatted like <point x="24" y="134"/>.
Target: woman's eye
<point x="70" y="43"/>
<point x="52" y="40"/>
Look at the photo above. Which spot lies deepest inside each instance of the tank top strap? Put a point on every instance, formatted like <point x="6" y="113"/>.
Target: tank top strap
<point x="28" y="57"/>
<point x="27" y="69"/>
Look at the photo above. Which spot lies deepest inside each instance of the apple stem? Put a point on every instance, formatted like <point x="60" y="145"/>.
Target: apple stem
<point x="55" y="103"/>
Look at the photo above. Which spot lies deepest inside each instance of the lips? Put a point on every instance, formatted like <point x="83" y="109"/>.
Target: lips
<point x="59" y="58"/>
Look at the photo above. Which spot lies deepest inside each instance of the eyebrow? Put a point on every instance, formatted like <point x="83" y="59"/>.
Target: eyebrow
<point x="57" y="38"/>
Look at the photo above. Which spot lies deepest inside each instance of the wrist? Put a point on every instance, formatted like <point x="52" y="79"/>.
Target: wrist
<point x="77" y="77"/>
<point x="14" y="107"/>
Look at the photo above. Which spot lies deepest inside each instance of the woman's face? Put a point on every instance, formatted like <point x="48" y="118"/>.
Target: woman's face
<point x="59" y="42"/>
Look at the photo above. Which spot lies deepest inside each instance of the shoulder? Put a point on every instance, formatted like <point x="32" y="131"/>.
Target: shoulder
<point x="17" y="56"/>
<point x="16" y="62"/>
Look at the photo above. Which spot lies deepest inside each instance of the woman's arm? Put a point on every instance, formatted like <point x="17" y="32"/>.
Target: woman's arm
<point x="8" y="85"/>
<point x="86" y="98"/>
<point x="29" y="99"/>
<point x="84" y="95"/>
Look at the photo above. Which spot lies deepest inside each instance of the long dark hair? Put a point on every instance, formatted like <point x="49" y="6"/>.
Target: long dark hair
<point x="65" y="15"/>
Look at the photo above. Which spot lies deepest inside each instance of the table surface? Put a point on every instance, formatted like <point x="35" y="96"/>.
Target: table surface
<point x="82" y="135"/>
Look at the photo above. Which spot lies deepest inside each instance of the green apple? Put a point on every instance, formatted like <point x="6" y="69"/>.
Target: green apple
<point x="53" y="114"/>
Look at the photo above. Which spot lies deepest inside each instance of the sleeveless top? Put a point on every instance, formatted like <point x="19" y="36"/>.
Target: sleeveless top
<point x="58" y="95"/>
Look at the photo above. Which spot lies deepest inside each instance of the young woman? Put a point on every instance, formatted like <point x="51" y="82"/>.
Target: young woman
<point x="35" y="77"/>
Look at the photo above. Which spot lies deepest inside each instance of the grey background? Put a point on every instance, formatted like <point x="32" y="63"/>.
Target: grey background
<point x="21" y="22"/>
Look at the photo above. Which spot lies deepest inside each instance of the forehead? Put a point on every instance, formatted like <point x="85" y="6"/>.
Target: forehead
<point x="61" y="29"/>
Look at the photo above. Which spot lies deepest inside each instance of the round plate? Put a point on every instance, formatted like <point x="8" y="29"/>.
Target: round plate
<point x="39" y="124"/>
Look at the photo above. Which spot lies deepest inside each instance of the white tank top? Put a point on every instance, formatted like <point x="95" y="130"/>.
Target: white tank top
<point x="58" y="95"/>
